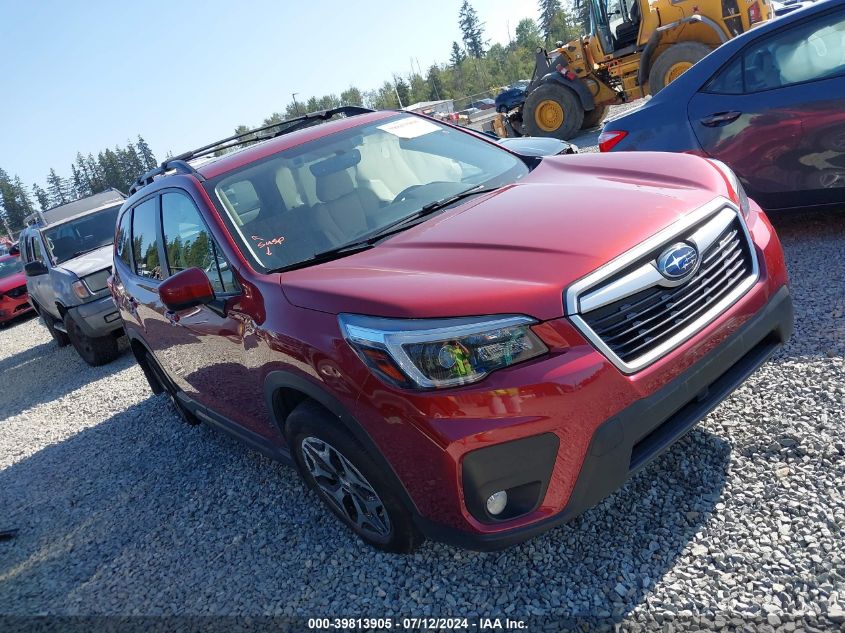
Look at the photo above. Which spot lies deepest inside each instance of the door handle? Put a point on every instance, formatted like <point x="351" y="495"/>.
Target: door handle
<point x="720" y="118"/>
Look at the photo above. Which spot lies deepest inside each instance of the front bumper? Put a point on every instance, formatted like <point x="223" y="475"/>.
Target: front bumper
<point x="11" y="307"/>
<point x="633" y="437"/>
<point x="97" y="318"/>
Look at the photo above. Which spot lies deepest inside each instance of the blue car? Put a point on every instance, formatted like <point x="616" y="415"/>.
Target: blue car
<point x="769" y="103"/>
<point x="510" y="99"/>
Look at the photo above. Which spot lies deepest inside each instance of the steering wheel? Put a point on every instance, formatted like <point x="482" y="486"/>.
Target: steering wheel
<point x="403" y="195"/>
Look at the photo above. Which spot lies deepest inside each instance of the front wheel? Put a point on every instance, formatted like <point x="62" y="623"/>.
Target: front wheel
<point x="348" y="481"/>
<point x="95" y="351"/>
<point x="553" y="110"/>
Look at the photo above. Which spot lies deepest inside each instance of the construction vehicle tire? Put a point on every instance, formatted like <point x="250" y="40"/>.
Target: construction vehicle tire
<point x="593" y="117"/>
<point x="674" y="62"/>
<point x="552" y="110"/>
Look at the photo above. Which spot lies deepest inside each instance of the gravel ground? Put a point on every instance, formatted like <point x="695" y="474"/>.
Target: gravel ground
<point x="124" y="510"/>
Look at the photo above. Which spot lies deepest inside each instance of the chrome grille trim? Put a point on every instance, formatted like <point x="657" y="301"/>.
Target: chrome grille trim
<point x="723" y="276"/>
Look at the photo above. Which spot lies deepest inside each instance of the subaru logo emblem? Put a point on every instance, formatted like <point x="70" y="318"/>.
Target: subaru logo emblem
<point x="678" y="261"/>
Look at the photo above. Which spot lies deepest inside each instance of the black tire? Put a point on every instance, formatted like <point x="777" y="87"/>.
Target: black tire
<point x="95" y="351"/>
<point x="593" y="117"/>
<point x="310" y="427"/>
<point x="160" y="383"/>
<point x="662" y="72"/>
<point x="540" y="103"/>
<point x="60" y="337"/>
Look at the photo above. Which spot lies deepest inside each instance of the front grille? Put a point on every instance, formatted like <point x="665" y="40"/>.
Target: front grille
<point x="98" y="281"/>
<point x="17" y="292"/>
<point x="638" y="324"/>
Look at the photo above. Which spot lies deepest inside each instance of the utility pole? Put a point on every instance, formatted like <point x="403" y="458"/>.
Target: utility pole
<point x="295" y="104"/>
<point x="396" y="90"/>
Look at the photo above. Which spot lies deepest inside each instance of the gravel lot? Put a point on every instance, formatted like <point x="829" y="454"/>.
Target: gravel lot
<point x="122" y="509"/>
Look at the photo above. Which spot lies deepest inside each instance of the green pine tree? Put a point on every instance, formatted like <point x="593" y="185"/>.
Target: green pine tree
<point x="457" y="56"/>
<point x="472" y="30"/>
<point x="402" y="91"/>
<point x="95" y="173"/>
<point x="146" y="154"/>
<point x="57" y="189"/>
<point x="41" y="196"/>
<point x="435" y="84"/>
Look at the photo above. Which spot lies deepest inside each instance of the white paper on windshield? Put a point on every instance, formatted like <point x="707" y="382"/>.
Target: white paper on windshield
<point x="410" y="127"/>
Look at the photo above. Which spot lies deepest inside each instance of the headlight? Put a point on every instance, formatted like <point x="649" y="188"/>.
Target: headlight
<point x="740" y="197"/>
<point x="437" y="353"/>
<point x="80" y="289"/>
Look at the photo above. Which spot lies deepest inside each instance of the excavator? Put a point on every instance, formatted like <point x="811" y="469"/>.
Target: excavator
<point x="634" y="48"/>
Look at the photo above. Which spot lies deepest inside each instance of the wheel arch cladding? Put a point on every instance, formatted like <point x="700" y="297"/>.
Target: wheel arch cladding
<point x="577" y="86"/>
<point x="283" y="389"/>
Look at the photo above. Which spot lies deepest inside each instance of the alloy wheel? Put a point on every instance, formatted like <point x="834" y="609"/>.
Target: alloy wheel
<point x="345" y="488"/>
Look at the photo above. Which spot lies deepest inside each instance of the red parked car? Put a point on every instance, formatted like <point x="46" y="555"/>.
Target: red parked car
<point x="449" y="340"/>
<point x="14" y="300"/>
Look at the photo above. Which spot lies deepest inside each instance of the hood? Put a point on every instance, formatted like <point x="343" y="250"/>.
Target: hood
<point x="90" y="262"/>
<point x="514" y="251"/>
<point x="12" y="281"/>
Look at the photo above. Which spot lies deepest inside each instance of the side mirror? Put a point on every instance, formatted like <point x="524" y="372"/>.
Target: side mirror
<point x="186" y="289"/>
<point x="34" y="269"/>
<point x="15" y="250"/>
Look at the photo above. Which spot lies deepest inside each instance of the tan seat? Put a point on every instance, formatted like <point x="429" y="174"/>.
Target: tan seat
<point x="346" y="210"/>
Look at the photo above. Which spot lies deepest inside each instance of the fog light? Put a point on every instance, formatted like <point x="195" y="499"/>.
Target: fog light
<point x="496" y="502"/>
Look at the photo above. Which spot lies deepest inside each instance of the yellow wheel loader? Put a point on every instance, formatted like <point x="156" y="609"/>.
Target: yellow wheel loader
<point x="635" y="48"/>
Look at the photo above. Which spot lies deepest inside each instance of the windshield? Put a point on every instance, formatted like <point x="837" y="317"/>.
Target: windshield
<point x="88" y="233"/>
<point x="9" y="267"/>
<point x="327" y="193"/>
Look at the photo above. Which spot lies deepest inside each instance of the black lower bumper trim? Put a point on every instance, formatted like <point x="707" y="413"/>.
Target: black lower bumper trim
<point x="634" y="437"/>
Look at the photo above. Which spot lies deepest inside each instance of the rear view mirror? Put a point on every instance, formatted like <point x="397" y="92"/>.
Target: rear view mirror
<point x="34" y="269"/>
<point x="186" y="289"/>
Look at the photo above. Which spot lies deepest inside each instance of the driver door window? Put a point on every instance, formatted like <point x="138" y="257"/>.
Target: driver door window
<point x="189" y="244"/>
<point x="809" y="52"/>
<point x="36" y="254"/>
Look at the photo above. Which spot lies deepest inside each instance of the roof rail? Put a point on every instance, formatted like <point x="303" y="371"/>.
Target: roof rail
<point x="180" y="164"/>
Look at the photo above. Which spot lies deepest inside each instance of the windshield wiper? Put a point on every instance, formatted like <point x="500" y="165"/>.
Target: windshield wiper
<point x="88" y="250"/>
<point x="425" y="210"/>
<point x="368" y="240"/>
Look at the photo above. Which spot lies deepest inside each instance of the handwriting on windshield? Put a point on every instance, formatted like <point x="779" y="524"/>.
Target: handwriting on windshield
<point x="262" y="243"/>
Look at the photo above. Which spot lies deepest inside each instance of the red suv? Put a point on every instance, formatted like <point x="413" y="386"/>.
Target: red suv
<point x="448" y="339"/>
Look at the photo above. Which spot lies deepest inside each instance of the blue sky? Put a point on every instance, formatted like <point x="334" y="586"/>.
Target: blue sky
<point x="86" y="75"/>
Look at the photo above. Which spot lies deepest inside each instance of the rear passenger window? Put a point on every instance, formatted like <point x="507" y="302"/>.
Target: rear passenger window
<point x="123" y="235"/>
<point x="188" y="243"/>
<point x="145" y="240"/>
